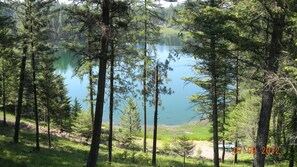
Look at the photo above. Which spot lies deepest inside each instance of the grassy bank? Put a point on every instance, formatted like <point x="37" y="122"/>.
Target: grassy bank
<point x="193" y="130"/>
<point x="66" y="153"/>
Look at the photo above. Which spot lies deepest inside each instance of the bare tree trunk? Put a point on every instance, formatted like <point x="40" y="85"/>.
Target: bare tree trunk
<point x="236" y="101"/>
<point x="20" y="95"/>
<point x="279" y="124"/>
<point x="91" y="93"/>
<point x="155" y="116"/>
<point x="111" y="104"/>
<point x="93" y="154"/>
<point x="35" y="98"/>
<point x="224" y="114"/>
<point x="144" y="79"/>
<point x="267" y="94"/>
<point x="48" y="122"/>
<point x="214" y="103"/>
<point x="184" y="159"/>
<point x="90" y="74"/>
<point x="4" y="92"/>
<point x="48" y="116"/>
<point x="294" y="129"/>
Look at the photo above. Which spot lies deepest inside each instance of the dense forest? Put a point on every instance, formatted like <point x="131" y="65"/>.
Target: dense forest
<point x="244" y="56"/>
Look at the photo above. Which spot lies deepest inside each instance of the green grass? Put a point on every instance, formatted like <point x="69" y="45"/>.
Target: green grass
<point x="193" y="130"/>
<point x="66" y="153"/>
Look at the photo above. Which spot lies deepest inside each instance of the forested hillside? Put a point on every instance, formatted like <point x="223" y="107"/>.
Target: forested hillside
<point x="243" y="63"/>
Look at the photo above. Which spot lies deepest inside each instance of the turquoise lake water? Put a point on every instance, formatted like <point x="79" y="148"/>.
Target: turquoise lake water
<point x="176" y="108"/>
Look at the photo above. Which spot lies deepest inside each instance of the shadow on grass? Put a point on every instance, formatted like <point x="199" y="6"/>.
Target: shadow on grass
<point x="69" y="153"/>
<point x="23" y="154"/>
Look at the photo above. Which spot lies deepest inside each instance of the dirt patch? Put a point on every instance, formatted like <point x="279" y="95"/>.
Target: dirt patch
<point x="54" y="132"/>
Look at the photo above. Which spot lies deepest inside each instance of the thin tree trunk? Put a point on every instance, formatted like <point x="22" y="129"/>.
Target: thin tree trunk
<point x="144" y="80"/>
<point x="111" y="104"/>
<point x="184" y="159"/>
<point x="294" y="128"/>
<point x="155" y="116"/>
<point x="224" y="115"/>
<point x="48" y="121"/>
<point x="93" y="154"/>
<point x="214" y="100"/>
<point x="4" y="92"/>
<point x="236" y="101"/>
<point x="279" y="124"/>
<point x="236" y="146"/>
<point x="275" y="114"/>
<point x="20" y="95"/>
<point x="292" y="156"/>
<point x="267" y="94"/>
<point x="91" y="93"/>
<point x="90" y="74"/>
<point x="35" y="98"/>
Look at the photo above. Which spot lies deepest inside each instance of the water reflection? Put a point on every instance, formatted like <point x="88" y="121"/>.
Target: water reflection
<point x="176" y="108"/>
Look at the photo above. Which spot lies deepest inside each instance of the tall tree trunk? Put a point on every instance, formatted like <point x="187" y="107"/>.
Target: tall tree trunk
<point x="93" y="154"/>
<point x="279" y="124"/>
<point x="267" y="94"/>
<point x="111" y="104"/>
<point x="294" y="130"/>
<point x="224" y="113"/>
<point x="90" y="73"/>
<point x="144" y="79"/>
<point x="48" y="120"/>
<point x="184" y="159"/>
<point x="91" y="93"/>
<point x="35" y="98"/>
<point x="4" y="92"/>
<point x="48" y="115"/>
<point x="214" y="101"/>
<point x="20" y="95"/>
<point x="155" y="116"/>
<point x="236" y="101"/>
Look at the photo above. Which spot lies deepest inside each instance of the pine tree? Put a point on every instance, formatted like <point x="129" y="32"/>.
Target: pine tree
<point x="92" y="159"/>
<point x="34" y="35"/>
<point x="183" y="147"/>
<point x="206" y="22"/>
<point x="82" y="125"/>
<point x="7" y="58"/>
<point x="47" y="87"/>
<point x="76" y="107"/>
<point x="146" y="12"/>
<point x="265" y="51"/>
<point x="154" y="159"/>
<point x="130" y="120"/>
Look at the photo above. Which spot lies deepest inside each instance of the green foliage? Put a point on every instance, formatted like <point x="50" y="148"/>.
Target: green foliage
<point x="244" y="114"/>
<point x="82" y="124"/>
<point x="76" y="108"/>
<point x="129" y="123"/>
<point x="130" y="120"/>
<point x="183" y="146"/>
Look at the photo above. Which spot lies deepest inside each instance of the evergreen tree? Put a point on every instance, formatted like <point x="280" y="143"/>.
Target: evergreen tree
<point x="206" y="22"/>
<point x="130" y="120"/>
<point x="76" y="107"/>
<point x="183" y="147"/>
<point x="6" y="50"/>
<point x="270" y="28"/>
<point x="82" y="125"/>
<point x="35" y="34"/>
<point x="92" y="159"/>
<point x="146" y="12"/>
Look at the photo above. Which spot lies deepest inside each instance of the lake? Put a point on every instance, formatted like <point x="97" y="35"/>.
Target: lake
<point x="176" y="108"/>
